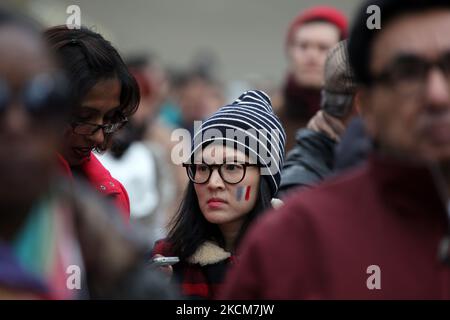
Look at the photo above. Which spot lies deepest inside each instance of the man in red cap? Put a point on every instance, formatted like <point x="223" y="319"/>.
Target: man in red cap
<point x="310" y="35"/>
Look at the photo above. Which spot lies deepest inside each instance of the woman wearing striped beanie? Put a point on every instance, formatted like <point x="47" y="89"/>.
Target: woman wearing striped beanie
<point x="234" y="173"/>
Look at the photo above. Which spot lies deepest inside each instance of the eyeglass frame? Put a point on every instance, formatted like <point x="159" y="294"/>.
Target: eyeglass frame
<point x="213" y="166"/>
<point x="122" y="123"/>
<point x="385" y="77"/>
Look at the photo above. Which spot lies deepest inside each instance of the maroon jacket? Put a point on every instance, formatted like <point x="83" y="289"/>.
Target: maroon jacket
<point x="321" y="243"/>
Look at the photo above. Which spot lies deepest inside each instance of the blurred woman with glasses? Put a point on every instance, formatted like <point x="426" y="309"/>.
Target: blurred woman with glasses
<point x="105" y="96"/>
<point x="233" y="178"/>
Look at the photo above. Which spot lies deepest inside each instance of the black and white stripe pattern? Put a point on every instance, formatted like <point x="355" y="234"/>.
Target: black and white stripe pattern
<point x="251" y="115"/>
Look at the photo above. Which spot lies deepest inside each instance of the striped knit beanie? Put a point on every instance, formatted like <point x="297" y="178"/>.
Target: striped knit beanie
<point x="250" y="126"/>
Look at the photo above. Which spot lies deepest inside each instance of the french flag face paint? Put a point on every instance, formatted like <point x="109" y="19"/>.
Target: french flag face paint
<point x="243" y="193"/>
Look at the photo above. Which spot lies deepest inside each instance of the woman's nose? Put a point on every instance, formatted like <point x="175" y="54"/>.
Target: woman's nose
<point x="215" y="181"/>
<point x="98" y="137"/>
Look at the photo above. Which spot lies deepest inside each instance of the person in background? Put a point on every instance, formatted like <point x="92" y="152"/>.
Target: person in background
<point x="198" y="95"/>
<point x="366" y="234"/>
<point x="105" y="95"/>
<point x="140" y="154"/>
<point x="309" y="37"/>
<point x="312" y="158"/>
<point x="203" y="66"/>
<point x="231" y="184"/>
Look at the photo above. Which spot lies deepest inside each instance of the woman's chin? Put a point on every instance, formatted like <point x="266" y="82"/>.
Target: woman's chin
<point x="216" y="216"/>
<point x="75" y="161"/>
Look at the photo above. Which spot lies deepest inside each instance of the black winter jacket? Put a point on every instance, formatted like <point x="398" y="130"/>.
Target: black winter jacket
<point x="309" y="162"/>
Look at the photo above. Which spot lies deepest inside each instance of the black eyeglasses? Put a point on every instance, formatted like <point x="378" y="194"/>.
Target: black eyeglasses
<point x="231" y="173"/>
<point x="84" y="128"/>
<point x="45" y="95"/>
<point x="408" y="73"/>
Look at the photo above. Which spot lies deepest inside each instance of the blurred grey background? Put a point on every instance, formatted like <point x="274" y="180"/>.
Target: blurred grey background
<point x="245" y="36"/>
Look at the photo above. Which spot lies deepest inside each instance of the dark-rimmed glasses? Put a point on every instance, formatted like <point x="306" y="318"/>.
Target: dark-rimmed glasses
<point x="84" y="128"/>
<point x="408" y="73"/>
<point x="231" y="173"/>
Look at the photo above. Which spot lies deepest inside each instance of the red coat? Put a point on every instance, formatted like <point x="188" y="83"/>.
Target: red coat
<point x="100" y="178"/>
<point x="322" y="242"/>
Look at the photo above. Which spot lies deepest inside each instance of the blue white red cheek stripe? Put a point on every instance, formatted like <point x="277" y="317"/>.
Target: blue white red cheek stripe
<point x="241" y="191"/>
<point x="247" y="193"/>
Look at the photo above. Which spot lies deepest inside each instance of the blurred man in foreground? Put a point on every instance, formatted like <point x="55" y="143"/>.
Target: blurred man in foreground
<point x="58" y="240"/>
<point x="381" y="231"/>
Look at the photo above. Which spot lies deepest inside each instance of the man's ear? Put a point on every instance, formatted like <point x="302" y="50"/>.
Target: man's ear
<point x="357" y="104"/>
<point x="363" y="107"/>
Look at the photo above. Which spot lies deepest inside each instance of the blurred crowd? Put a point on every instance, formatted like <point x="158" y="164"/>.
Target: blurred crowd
<point x="332" y="184"/>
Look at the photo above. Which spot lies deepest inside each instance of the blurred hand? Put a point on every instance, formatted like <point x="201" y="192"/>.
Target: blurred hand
<point x="167" y="270"/>
<point x="327" y="124"/>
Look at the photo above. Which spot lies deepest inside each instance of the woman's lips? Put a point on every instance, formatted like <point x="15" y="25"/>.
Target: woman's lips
<point x="82" y="152"/>
<point x="216" y="203"/>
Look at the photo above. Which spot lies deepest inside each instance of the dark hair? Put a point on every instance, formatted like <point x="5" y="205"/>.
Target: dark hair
<point x="189" y="228"/>
<point x="182" y="79"/>
<point x="140" y="60"/>
<point x="362" y="38"/>
<point x="136" y="64"/>
<point x="88" y="58"/>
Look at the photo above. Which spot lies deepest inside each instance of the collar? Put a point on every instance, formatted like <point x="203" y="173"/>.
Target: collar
<point x="300" y="102"/>
<point x="315" y="142"/>
<point x="411" y="188"/>
<point x="313" y="149"/>
<point x="209" y="253"/>
<point x="97" y="175"/>
<point x="64" y="166"/>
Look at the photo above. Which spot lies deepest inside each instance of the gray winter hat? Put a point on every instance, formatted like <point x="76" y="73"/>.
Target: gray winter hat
<point x="339" y="82"/>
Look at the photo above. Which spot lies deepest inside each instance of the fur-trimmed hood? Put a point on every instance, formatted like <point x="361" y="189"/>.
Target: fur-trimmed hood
<point x="209" y="253"/>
